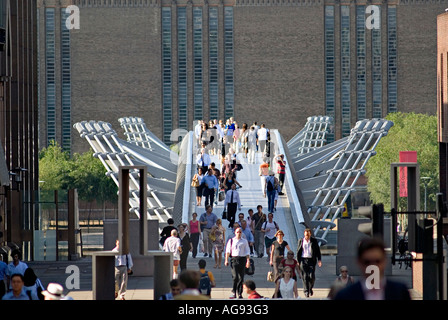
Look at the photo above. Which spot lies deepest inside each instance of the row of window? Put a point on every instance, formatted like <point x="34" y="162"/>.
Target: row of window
<point x="50" y="78"/>
<point x="198" y="64"/>
<point x="50" y="64"/>
<point x="361" y="65"/>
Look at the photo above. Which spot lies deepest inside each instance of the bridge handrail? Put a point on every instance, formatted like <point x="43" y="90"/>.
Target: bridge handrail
<point x="296" y="209"/>
<point x="187" y="182"/>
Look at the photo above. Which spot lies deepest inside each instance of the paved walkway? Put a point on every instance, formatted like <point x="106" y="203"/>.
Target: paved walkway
<point x="141" y="288"/>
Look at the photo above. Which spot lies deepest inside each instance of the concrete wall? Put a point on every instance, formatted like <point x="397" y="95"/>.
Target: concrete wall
<point x="143" y="265"/>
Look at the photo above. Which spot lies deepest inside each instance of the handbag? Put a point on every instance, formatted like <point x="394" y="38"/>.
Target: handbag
<point x="270" y="276"/>
<point x="195" y="182"/>
<point x="221" y="195"/>
<point x="224" y="215"/>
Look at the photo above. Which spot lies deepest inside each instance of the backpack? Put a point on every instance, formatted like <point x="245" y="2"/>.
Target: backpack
<point x="266" y="223"/>
<point x="205" y="285"/>
<point x="270" y="186"/>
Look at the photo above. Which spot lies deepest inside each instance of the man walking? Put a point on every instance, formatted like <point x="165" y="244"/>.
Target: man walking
<point x="232" y="203"/>
<point x="210" y="185"/>
<point x="238" y="249"/>
<point x="270" y="189"/>
<point x="262" y="138"/>
<point x="203" y="160"/>
<point x="258" y="218"/>
<point x="123" y="264"/>
<point x="308" y="254"/>
<point x="207" y="220"/>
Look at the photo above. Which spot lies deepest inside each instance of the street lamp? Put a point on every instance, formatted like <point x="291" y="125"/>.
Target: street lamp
<point x="425" y="182"/>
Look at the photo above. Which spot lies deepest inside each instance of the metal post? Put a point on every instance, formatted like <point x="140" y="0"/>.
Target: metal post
<point x="143" y="210"/>
<point x="123" y="210"/>
<point x="57" y="223"/>
<point x="440" y="256"/>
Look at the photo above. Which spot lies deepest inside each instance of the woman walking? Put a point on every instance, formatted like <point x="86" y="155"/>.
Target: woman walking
<point x="286" y="286"/>
<point x="186" y="245"/>
<point x="278" y="251"/>
<point x="219" y="234"/>
<point x="195" y="233"/>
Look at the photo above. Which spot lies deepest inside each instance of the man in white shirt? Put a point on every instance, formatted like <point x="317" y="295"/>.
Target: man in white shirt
<point x="123" y="265"/>
<point x="308" y="254"/>
<point x="269" y="228"/>
<point x="173" y="244"/>
<point x="232" y="203"/>
<point x="197" y="132"/>
<point x="251" y="145"/>
<point x="238" y="249"/>
<point x="262" y="138"/>
<point x="203" y="160"/>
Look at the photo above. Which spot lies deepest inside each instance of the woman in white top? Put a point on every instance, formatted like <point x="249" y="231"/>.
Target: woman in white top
<point x="286" y="286"/>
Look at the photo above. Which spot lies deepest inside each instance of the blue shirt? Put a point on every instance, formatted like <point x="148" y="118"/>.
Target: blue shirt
<point x="230" y="128"/>
<point x="248" y="234"/>
<point x="211" y="219"/>
<point x="10" y="296"/>
<point x="211" y="181"/>
<point x="3" y="270"/>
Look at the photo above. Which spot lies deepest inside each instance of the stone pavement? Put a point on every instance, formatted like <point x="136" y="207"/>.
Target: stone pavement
<point x="141" y="288"/>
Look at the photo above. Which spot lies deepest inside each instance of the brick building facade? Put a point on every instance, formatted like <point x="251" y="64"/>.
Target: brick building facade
<point x="272" y="61"/>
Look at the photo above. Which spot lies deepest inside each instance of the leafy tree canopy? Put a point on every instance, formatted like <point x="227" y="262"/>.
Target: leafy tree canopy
<point x="83" y="172"/>
<point x="411" y="132"/>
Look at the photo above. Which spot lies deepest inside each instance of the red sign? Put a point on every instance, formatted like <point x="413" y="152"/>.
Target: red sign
<point x="405" y="156"/>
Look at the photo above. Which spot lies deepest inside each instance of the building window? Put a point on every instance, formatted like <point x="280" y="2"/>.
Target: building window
<point x="65" y="83"/>
<point x="197" y="64"/>
<point x="329" y="66"/>
<point x="166" y="75"/>
<point x="50" y="74"/>
<point x="213" y="62"/>
<point x="392" y="59"/>
<point x="345" y="70"/>
<point x="377" y="90"/>
<point x="228" y="63"/>
<point x="182" y="66"/>
<point x="361" y="99"/>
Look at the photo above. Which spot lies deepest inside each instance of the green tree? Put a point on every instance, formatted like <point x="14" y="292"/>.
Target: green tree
<point x="54" y="168"/>
<point x="83" y="172"/>
<point x="89" y="178"/>
<point x="411" y="132"/>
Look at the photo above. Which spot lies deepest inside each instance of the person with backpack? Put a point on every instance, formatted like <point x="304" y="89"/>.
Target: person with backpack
<point x="269" y="228"/>
<point x="270" y="189"/>
<point x="207" y="281"/>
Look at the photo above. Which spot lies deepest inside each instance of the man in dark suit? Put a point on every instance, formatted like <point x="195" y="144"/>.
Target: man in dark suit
<point x="371" y="258"/>
<point x="308" y="255"/>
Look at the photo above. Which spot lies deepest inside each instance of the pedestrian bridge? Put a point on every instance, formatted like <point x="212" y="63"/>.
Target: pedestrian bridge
<point x="319" y="179"/>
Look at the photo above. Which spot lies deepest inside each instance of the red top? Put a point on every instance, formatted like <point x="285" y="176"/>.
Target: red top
<point x="293" y="266"/>
<point x="194" y="227"/>
<point x="280" y="167"/>
<point x="254" y="295"/>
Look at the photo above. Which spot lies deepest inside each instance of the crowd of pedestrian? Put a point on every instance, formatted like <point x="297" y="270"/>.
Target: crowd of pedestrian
<point x="19" y="282"/>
